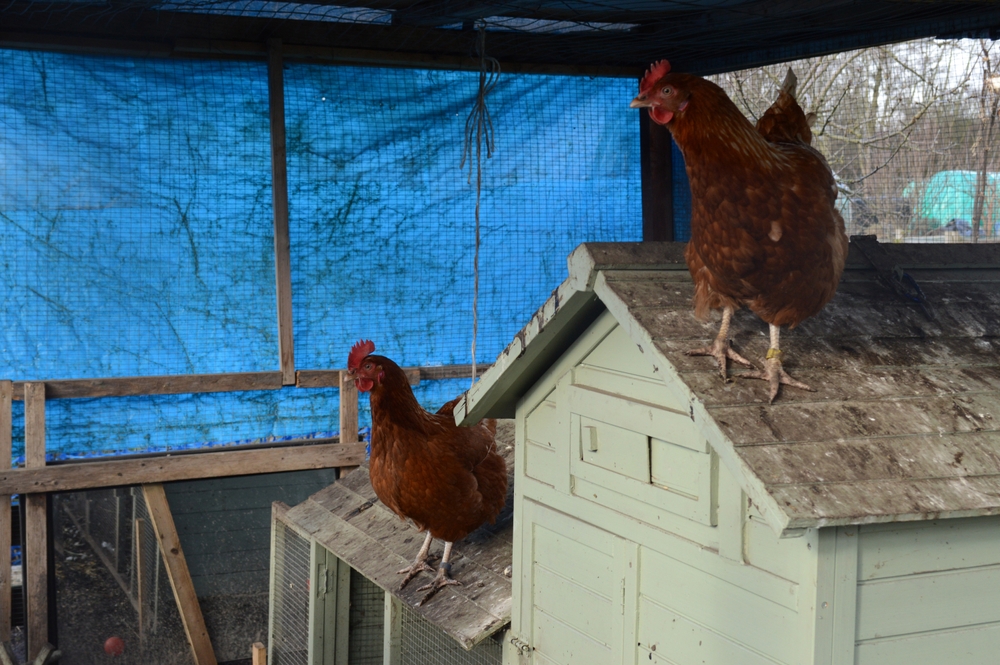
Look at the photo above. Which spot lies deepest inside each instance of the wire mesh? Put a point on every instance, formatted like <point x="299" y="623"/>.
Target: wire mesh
<point x="290" y="601"/>
<point x="422" y="642"/>
<point x="367" y="621"/>
<point x="910" y="130"/>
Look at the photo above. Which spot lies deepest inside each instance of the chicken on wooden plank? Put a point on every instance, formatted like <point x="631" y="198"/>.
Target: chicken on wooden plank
<point x="447" y="479"/>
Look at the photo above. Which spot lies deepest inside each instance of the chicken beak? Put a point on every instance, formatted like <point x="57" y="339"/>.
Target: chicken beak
<point x="640" y="102"/>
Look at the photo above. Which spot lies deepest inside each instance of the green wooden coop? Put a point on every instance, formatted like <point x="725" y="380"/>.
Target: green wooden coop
<point x="662" y="515"/>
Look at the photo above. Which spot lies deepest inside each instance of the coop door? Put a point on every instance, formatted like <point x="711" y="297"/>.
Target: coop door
<point x="578" y="590"/>
<point x="331" y="602"/>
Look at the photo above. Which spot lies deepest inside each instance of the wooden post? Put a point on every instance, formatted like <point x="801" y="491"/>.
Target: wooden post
<point x="348" y="414"/>
<point x="656" y="157"/>
<point x="179" y="575"/>
<point x="35" y="555"/>
<point x="140" y="579"/>
<point x="392" y="630"/>
<point x="279" y="189"/>
<point x="6" y="608"/>
<point x="259" y="654"/>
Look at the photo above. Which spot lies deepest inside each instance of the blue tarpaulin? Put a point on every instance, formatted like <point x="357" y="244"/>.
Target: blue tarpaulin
<point x="136" y="217"/>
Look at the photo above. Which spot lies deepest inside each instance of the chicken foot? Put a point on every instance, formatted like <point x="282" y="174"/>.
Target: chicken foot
<point x="721" y="348"/>
<point x="419" y="564"/>
<point x="773" y="373"/>
<point x="442" y="579"/>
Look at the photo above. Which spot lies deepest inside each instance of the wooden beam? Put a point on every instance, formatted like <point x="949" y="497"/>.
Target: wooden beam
<point x="116" y="472"/>
<point x="139" y="529"/>
<point x="36" y="560"/>
<point x="656" y="160"/>
<point x="178" y="573"/>
<point x="392" y="630"/>
<point x="6" y="607"/>
<point x="156" y="385"/>
<point x="279" y="198"/>
<point x="259" y="654"/>
<point x="330" y="378"/>
<point x="348" y="414"/>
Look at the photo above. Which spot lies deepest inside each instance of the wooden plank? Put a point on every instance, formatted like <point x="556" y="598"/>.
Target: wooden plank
<point x="116" y="472"/>
<point x="140" y="578"/>
<point x="330" y="378"/>
<point x="258" y="654"/>
<point x="656" y="159"/>
<point x="6" y="394"/>
<point x="279" y="198"/>
<point x="156" y="385"/>
<point x="36" y="564"/>
<point x="392" y="627"/>
<point x="177" y="572"/>
<point x="976" y="645"/>
<point x="348" y="413"/>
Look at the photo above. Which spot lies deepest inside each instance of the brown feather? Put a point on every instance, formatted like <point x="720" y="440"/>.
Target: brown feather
<point x="447" y="479"/>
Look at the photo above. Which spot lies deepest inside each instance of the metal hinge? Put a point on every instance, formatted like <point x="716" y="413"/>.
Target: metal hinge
<point x="521" y="646"/>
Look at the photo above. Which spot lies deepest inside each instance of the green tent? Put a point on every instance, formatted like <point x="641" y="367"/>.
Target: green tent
<point x="951" y="195"/>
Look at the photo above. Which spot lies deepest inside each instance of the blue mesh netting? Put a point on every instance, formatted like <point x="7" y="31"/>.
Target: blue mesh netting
<point x="135" y="206"/>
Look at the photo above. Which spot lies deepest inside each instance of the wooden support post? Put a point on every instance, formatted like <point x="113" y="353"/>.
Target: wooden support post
<point x="140" y="579"/>
<point x="6" y="396"/>
<point x="179" y="575"/>
<point x="279" y="195"/>
<point x="35" y="554"/>
<point x="259" y="654"/>
<point x="656" y="157"/>
<point x="348" y="414"/>
<point x="392" y="630"/>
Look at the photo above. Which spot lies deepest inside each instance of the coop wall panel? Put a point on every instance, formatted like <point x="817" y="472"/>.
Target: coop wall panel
<point x="735" y="613"/>
<point x="969" y="646"/>
<point x="543" y="435"/>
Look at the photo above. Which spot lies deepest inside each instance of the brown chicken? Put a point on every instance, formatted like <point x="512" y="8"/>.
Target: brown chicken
<point x="764" y="229"/>
<point x="449" y="480"/>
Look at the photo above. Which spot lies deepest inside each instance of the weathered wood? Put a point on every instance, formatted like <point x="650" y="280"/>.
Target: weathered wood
<point x="279" y="202"/>
<point x="330" y="378"/>
<point x="6" y="394"/>
<point x="348" y="406"/>
<point x="156" y="385"/>
<point x="139" y="530"/>
<point x="258" y="654"/>
<point x="348" y="520"/>
<point x="178" y="574"/>
<point x="117" y="472"/>
<point x="36" y="564"/>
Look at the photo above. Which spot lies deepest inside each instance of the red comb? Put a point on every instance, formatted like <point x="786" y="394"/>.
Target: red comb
<point x="655" y="72"/>
<point x="359" y="352"/>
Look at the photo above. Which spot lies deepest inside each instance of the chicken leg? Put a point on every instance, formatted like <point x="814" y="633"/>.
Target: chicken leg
<point x="721" y="349"/>
<point x="443" y="577"/>
<point x="419" y="564"/>
<point x="773" y="372"/>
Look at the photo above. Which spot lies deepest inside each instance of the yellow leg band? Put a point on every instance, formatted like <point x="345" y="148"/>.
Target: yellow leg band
<point x="773" y="353"/>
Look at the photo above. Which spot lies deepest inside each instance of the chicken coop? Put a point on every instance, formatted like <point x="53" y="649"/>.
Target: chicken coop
<point x="335" y="596"/>
<point x="204" y="204"/>
<point x="662" y="514"/>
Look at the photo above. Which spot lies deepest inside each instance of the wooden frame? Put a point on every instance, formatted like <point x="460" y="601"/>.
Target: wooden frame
<point x="656" y="157"/>
<point x="35" y="555"/>
<point x="6" y="607"/>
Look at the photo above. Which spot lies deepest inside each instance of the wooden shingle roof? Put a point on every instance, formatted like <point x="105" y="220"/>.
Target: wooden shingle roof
<point x="349" y="521"/>
<point x="905" y="420"/>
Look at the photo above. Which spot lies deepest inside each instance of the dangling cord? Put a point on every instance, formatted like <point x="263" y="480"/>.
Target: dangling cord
<point x="479" y="128"/>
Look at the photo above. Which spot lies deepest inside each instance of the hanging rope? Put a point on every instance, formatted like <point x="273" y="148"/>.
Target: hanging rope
<point x="479" y="130"/>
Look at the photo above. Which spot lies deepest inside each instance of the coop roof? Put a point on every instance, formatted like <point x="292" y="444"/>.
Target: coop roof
<point x="905" y="420"/>
<point x="348" y="520"/>
<point x="614" y="37"/>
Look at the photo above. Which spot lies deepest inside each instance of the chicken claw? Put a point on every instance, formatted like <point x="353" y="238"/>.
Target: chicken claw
<point x="412" y="571"/>
<point x="721" y="349"/>
<point x="775" y="375"/>
<point x="441" y="580"/>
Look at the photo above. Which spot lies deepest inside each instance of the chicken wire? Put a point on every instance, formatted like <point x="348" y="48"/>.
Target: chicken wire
<point x="422" y="642"/>
<point x="367" y="621"/>
<point x="910" y="130"/>
<point x="290" y="620"/>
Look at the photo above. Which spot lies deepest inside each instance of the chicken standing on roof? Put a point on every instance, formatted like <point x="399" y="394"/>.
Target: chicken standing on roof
<point x="764" y="229"/>
<point x="448" y="479"/>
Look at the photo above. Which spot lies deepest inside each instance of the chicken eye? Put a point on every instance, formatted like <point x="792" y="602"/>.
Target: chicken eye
<point x="368" y="365"/>
<point x="667" y="90"/>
